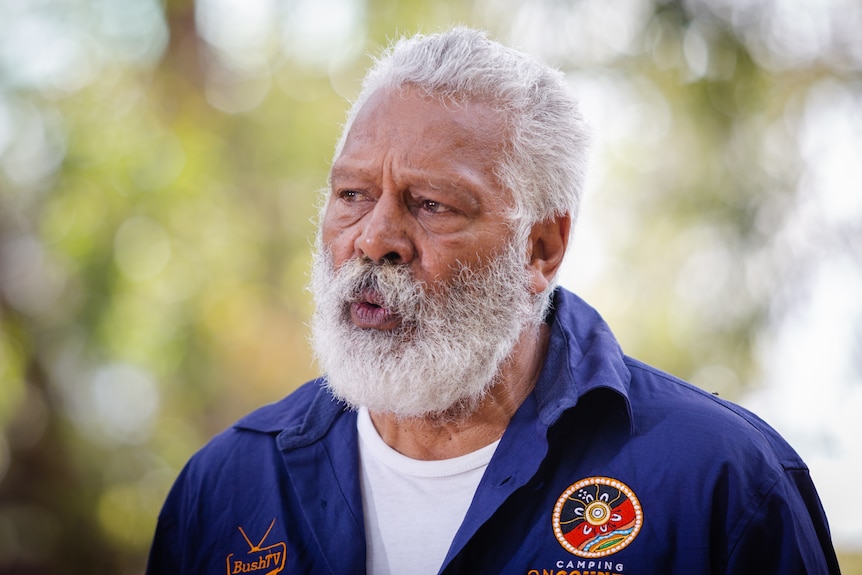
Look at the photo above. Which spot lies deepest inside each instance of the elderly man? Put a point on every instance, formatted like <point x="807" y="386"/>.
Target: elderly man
<point x="475" y="418"/>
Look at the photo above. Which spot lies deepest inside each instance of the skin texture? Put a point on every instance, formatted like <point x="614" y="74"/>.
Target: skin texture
<point x="415" y="185"/>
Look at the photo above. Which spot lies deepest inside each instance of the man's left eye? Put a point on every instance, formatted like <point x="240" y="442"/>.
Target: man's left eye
<point x="433" y="207"/>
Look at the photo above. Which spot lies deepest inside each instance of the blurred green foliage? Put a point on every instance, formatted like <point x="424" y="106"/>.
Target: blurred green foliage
<point x="159" y="168"/>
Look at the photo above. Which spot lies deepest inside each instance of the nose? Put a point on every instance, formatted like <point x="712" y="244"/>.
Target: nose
<point x="385" y="235"/>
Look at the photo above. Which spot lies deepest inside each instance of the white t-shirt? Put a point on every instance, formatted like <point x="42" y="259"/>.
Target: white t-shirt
<point x="412" y="508"/>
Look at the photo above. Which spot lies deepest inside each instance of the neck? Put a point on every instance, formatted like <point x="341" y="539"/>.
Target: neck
<point x="434" y="437"/>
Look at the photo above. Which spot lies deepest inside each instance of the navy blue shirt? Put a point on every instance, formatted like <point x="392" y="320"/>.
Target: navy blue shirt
<point x="609" y="467"/>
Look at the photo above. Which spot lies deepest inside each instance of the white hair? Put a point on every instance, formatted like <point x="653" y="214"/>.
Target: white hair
<point x="544" y="161"/>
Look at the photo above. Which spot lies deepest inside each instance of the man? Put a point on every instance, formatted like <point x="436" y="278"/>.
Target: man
<point x="473" y="417"/>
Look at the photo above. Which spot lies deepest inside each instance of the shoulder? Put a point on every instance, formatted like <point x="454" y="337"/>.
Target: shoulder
<point x="666" y="412"/>
<point x="247" y="455"/>
<point x="703" y="421"/>
<point x="286" y="413"/>
<point x="255" y="437"/>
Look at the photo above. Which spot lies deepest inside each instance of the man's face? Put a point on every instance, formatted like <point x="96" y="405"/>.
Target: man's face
<point x="415" y="185"/>
<point x="421" y="293"/>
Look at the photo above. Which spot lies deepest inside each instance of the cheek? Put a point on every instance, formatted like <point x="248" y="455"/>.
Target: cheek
<point x="439" y="261"/>
<point x="337" y="239"/>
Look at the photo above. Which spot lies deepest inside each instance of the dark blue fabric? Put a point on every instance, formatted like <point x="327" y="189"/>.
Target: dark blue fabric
<point x="719" y="491"/>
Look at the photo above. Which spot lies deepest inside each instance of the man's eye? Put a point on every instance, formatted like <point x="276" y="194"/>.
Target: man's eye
<point x="349" y="195"/>
<point x="433" y="207"/>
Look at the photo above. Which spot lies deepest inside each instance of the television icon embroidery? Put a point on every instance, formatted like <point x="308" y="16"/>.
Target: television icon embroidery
<point x="267" y="560"/>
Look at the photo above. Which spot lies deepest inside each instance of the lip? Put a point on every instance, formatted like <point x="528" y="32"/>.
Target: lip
<point x="367" y="313"/>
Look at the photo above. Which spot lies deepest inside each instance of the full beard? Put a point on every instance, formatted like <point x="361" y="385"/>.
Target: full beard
<point x="449" y="347"/>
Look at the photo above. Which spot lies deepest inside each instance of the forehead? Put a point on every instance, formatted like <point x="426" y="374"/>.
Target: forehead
<point x="425" y="134"/>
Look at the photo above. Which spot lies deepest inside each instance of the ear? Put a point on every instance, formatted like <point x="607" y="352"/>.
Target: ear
<point x="546" y="247"/>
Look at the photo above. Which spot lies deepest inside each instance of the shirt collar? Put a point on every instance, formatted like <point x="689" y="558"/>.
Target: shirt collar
<point x="583" y="356"/>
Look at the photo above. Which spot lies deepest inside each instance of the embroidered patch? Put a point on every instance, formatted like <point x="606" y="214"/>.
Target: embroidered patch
<point x="267" y="560"/>
<point x="596" y="517"/>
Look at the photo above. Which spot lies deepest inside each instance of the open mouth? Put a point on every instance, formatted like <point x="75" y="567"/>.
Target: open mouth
<point x="368" y="312"/>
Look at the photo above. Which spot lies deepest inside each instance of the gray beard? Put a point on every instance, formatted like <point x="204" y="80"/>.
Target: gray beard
<point x="445" y="356"/>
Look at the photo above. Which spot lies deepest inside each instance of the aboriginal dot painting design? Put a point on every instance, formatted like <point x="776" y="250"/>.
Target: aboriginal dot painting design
<point x="596" y="517"/>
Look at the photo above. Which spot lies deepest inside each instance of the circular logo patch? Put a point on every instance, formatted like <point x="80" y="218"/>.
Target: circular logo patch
<point x="596" y="517"/>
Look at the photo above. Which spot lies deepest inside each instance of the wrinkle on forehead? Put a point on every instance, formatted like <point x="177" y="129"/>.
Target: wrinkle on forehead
<point x="457" y="117"/>
<point x="467" y="137"/>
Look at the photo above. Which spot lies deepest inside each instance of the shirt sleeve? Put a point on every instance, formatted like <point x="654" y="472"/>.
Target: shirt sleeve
<point x="164" y="558"/>
<point x="788" y="534"/>
<point x="167" y="556"/>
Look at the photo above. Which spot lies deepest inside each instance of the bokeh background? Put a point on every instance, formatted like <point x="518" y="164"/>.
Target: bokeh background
<point x="159" y="164"/>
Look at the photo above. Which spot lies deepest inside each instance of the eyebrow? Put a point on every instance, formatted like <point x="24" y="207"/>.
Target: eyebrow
<point x="442" y="181"/>
<point x="341" y="171"/>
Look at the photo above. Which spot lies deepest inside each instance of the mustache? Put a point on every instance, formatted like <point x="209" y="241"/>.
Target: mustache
<point x="363" y="274"/>
<point x="394" y="285"/>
